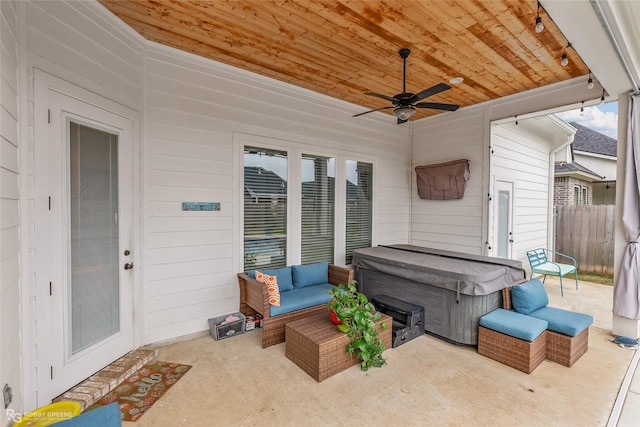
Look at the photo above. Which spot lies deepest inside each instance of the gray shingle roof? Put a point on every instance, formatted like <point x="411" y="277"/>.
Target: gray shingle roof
<point x="574" y="167"/>
<point x="591" y="141"/>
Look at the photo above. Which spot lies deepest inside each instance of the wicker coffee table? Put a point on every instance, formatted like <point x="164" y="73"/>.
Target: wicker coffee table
<point x="317" y="346"/>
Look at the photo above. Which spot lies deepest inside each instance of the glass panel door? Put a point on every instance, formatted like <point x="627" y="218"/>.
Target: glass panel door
<point x="85" y="317"/>
<point x="93" y="236"/>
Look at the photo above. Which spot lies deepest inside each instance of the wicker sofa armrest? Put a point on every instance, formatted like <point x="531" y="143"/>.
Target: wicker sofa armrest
<point x="506" y="294"/>
<point x="254" y="297"/>
<point x="340" y="274"/>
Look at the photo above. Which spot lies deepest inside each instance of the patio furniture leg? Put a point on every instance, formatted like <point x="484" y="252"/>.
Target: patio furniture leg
<point x="561" y="291"/>
<point x="576" y="275"/>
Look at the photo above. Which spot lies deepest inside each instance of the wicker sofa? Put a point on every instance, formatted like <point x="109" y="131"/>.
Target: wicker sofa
<point x="254" y="298"/>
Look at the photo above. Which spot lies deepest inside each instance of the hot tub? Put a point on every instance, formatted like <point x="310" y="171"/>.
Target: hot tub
<point x="455" y="289"/>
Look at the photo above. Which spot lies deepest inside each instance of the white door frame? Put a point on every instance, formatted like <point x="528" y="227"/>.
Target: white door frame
<point x="37" y="339"/>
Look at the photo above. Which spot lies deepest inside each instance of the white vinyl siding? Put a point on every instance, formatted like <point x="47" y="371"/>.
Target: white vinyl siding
<point x="521" y="157"/>
<point x="450" y="224"/>
<point x="201" y="115"/>
<point x="10" y="216"/>
<point x="463" y="225"/>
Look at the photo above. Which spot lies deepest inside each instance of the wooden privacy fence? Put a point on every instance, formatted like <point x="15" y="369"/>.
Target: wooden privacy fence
<point x="586" y="233"/>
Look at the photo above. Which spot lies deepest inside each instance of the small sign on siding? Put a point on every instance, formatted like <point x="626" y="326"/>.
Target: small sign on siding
<point x="200" y="206"/>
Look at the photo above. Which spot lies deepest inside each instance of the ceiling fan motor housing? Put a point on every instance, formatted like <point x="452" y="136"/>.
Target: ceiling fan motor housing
<point x="404" y="104"/>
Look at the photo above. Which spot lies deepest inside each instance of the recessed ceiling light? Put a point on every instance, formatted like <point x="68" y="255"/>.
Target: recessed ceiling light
<point x="456" y="80"/>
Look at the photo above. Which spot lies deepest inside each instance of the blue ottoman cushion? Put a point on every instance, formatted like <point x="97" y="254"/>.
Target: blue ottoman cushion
<point x="513" y="324"/>
<point x="563" y="321"/>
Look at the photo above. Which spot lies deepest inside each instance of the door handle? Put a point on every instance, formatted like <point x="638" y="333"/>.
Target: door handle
<point x="128" y="266"/>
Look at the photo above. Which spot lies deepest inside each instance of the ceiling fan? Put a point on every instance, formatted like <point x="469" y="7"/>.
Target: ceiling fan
<point x="405" y="103"/>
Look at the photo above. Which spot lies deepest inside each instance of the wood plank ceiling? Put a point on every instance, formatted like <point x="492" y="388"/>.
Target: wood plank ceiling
<point x="346" y="48"/>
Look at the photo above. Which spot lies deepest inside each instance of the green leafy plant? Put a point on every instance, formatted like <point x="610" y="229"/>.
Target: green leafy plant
<point x="358" y="317"/>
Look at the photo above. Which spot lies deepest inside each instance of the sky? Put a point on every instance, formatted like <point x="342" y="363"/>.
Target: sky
<point x="601" y="118"/>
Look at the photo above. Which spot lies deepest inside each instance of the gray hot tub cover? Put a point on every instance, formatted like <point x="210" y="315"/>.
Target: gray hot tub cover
<point x="462" y="273"/>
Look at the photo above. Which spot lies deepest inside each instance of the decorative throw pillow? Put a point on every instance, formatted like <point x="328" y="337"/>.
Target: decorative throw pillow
<point x="271" y="282"/>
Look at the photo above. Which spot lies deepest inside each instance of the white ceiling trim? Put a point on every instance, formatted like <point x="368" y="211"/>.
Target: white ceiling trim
<point x="580" y="24"/>
<point x="623" y="18"/>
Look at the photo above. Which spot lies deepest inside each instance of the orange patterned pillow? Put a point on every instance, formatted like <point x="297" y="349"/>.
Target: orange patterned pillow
<point x="271" y="282"/>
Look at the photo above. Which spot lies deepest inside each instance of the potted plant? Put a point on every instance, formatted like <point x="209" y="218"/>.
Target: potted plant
<point x="358" y="317"/>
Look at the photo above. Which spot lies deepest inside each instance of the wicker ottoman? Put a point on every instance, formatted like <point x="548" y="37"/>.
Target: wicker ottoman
<point x="514" y="339"/>
<point x="317" y="346"/>
<point x="564" y="349"/>
<point x="568" y="334"/>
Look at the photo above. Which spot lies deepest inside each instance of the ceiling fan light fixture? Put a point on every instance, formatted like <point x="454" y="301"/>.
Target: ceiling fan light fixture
<point x="456" y="80"/>
<point x="404" y="112"/>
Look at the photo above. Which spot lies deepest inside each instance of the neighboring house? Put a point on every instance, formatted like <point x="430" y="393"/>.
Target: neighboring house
<point x="590" y="178"/>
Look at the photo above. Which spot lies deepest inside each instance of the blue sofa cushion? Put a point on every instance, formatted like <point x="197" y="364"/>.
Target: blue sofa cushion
<point x="283" y="275"/>
<point x="563" y="321"/>
<point x="513" y="324"/>
<point x="529" y="296"/>
<point x="310" y="274"/>
<point x="300" y="298"/>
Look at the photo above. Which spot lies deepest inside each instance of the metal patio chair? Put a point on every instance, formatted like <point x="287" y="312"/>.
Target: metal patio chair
<point x="541" y="264"/>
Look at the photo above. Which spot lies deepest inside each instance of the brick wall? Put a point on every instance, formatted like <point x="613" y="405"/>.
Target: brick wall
<point x="563" y="190"/>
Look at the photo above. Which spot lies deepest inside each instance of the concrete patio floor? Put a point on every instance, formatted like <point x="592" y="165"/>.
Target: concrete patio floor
<point x="427" y="381"/>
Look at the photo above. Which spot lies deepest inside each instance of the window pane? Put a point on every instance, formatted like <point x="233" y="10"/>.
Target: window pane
<point x="359" y="206"/>
<point x="584" y="195"/>
<point x="504" y="203"/>
<point x="576" y="195"/>
<point x="93" y="235"/>
<point x="318" y="200"/>
<point x="265" y="208"/>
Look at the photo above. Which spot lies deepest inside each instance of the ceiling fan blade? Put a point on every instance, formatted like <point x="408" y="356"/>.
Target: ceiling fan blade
<point x="371" y="111"/>
<point x="400" y="121"/>
<point x="440" y="87"/>
<point x="388" y="98"/>
<point x="437" y="106"/>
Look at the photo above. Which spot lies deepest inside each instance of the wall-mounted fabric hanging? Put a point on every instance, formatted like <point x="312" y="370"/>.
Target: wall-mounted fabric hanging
<point x="444" y="181"/>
